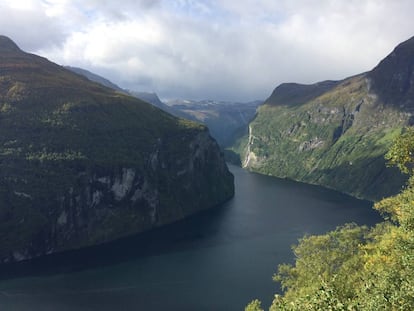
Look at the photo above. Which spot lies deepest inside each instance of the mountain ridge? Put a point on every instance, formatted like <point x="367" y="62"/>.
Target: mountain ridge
<point x="8" y="46"/>
<point x="225" y="120"/>
<point x="95" y="78"/>
<point x="393" y="77"/>
<point x="292" y="94"/>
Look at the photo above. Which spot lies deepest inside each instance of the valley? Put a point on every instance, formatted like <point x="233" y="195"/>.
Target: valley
<point x="127" y="197"/>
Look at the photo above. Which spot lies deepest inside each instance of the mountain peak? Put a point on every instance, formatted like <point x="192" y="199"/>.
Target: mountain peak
<point x="393" y="77"/>
<point x="404" y="47"/>
<point x="8" y="45"/>
<point x="292" y="94"/>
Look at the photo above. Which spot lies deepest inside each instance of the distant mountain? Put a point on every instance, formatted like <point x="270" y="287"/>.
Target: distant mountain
<point x="95" y="78"/>
<point x="335" y="133"/>
<point x="153" y="99"/>
<point x="227" y="121"/>
<point x="82" y="164"/>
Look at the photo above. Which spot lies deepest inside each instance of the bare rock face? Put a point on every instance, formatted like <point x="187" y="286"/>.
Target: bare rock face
<point x="81" y="164"/>
<point x="393" y="79"/>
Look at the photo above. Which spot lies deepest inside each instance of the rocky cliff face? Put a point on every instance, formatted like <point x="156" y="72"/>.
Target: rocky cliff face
<point x="82" y="165"/>
<point x="393" y="79"/>
<point x="335" y="134"/>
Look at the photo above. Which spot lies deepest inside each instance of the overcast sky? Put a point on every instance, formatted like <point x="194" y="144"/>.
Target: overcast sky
<point x="218" y="49"/>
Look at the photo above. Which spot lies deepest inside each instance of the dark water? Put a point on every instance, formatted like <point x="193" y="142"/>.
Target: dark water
<point x="219" y="260"/>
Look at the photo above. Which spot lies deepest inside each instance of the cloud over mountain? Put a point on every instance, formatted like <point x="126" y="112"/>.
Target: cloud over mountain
<point x="210" y="49"/>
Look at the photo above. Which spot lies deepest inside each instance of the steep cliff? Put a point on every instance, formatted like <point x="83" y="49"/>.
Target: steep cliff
<point x="81" y="164"/>
<point x="335" y="133"/>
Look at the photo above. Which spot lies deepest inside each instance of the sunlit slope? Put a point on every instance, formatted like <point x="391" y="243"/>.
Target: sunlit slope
<point x="336" y="133"/>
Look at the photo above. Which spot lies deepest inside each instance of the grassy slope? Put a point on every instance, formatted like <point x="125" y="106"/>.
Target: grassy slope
<point x="336" y="139"/>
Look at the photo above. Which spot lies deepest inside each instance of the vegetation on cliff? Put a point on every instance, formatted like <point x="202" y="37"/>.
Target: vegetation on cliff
<point x="82" y="164"/>
<point x="356" y="267"/>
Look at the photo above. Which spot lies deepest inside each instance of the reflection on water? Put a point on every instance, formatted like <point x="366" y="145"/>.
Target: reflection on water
<point x="218" y="260"/>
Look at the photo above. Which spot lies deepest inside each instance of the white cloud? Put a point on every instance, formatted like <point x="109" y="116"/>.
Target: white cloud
<point x="27" y="23"/>
<point x="223" y="49"/>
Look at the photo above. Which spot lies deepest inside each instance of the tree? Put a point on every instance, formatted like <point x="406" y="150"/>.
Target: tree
<point x="355" y="267"/>
<point x="255" y="305"/>
<point x="401" y="153"/>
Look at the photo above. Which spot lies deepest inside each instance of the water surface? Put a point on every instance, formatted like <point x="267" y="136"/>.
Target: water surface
<point x="218" y="260"/>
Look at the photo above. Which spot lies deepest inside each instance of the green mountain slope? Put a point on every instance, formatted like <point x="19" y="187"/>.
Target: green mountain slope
<point x="81" y="164"/>
<point x="335" y="134"/>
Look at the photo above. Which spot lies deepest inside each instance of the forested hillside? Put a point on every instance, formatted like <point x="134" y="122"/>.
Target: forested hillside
<point x="356" y="267"/>
<point x="82" y="164"/>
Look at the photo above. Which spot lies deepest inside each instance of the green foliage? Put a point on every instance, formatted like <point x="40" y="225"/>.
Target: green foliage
<point x="255" y="305"/>
<point x="60" y="134"/>
<point x="355" y="267"/>
<point x="67" y="155"/>
<point x="331" y="138"/>
<point x="401" y="152"/>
